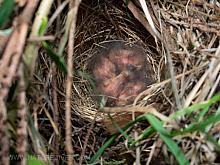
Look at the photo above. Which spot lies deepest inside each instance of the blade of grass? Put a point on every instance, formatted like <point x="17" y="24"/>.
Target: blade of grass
<point x="146" y="133"/>
<point x="212" y="119"/>
<point x="112" y="139"/>
<point x="199" y="126"/>
<point x="218" y="111"/>
<point x="59" y="60"/>
<point x="195" y="107"/>
<point x="201" y="115"/>
<point x="120" y="130"/>
<point x="164" y="134"/>
<point x="213" y="141"/>
<point x="43" y="26"/>
<point x="88" y="77"/>
<point x="6" y="9"/>
<point x="166" y="137"/>
<point x="32" y="160"/>
<point x="102" y="149"/>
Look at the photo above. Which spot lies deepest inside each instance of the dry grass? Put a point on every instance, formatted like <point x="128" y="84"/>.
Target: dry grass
<point x="181" y="42"/>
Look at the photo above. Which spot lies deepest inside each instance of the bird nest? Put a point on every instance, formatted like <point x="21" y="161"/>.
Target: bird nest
<point x="101" y="38"/>
<point x="121" y="72"/>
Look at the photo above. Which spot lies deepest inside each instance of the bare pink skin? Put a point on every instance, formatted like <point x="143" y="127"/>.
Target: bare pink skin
<point x="104" y="70"/>
<point x="122" y="58"/>
<point x="114" y="86"/>
<point x="120" y="74"/>
<point x="130" y="92"/>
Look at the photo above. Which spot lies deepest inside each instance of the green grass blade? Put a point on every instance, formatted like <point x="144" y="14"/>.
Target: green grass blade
<point x="111" y="140"/>
<point x="88" y="77"/>
<point x="201" y="115"/>
<point x="120" y="130"/>
<point x="102" y="149"/>
<point x="198" y="118"/>
<point x="146" y="133"/>
<point x="32" y="160"/>
<point x="166" y="137"/>
<point x="6" y="9"/>
<point x="213" y="141"/>
<point x="196" y="107"/>
<point x="59" y="60"/>
<point x="218" y="111"/>
<point x="164" y="134"/>
<point x="199" y="126"/>
<point x="212" y="119"/>
<point x="43" y="26"/>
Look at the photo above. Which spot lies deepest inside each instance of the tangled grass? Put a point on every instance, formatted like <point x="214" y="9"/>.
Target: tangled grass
<point x="174" y="121"/>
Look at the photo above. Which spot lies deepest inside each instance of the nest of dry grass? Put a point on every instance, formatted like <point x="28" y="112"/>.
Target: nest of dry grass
<point x="189" y="30"/>
<point x="101" y="24"/>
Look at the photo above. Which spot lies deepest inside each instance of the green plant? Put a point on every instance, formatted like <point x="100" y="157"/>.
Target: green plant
<point x="201" y="123"/>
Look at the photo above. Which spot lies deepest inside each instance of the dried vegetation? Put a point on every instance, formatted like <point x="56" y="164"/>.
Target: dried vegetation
<point x="175" y="119"/>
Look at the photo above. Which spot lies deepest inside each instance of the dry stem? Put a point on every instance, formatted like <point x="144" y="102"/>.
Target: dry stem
<point x="73" y="14"/>
<point x="22" y="118"/>
<point x="8" y="71"/>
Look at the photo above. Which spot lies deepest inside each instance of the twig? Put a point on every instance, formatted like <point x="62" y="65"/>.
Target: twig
<point x="41" y="38"/>
<point x="172" y="75"/>
<point x="68" y="136"/>
<point x="151" y="153"/>
<point x="214" y="87"/>
<point x="57" y="12"/>
<point x="148" y="16"/>
<point x="147" y="109"/>
<point x="22" y="118"/>
<point x="157" y="85"/>
<point x="191" y="9"/>
<point x="8" y="70"/>
<point x="4" y="142"/>
<point x="87" y="139"/>
<point x="212" y="74"/>
<point x="139" y="16"/>
<point x="56" y="112"/>
<point x="157" y="34"/>
<point x="31" y="50"/>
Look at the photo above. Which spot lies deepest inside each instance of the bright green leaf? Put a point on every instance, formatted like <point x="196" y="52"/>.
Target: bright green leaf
<point x="146" y="133"/>
<point x="32" y="160"/>
<point x="102" y="149"/>
<point x="6" y="9"/>
<point x="195" y="107"/>
<point x="43" y="26"/>
<point x="59" y="60"/>
<point x="111" y="140"/>
<point x="166" y="137"/>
